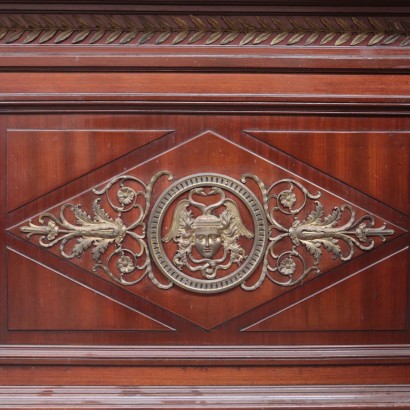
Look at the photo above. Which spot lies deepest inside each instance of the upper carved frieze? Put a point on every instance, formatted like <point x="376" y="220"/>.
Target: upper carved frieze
<point x="266" y="30"/>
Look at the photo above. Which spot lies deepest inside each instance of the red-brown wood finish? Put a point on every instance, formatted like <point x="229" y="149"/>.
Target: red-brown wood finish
<point x="77" y="112"/>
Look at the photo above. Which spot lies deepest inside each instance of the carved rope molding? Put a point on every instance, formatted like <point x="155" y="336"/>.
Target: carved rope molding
<point x="208" y="232"/>
<point x="204" y="30"/>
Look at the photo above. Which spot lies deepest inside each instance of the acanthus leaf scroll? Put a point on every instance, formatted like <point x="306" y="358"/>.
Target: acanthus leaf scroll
<point x="103" y="234"/>
<point x="287" y="233"/>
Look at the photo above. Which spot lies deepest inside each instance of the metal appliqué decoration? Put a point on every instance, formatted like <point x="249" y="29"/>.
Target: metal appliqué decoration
<point x="207" y="233"/>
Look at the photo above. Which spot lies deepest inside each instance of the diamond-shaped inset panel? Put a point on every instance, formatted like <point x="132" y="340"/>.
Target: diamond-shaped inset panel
<point x="228" y="229"/>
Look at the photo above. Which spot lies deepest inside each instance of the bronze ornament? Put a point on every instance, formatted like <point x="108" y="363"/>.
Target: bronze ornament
<point x="207" y="233"/>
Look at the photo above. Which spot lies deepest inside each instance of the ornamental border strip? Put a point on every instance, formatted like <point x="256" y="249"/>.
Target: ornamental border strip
<point x="87" y="29"/>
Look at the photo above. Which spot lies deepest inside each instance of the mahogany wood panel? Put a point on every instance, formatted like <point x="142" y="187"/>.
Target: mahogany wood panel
<point x="47" y="301"/>
<point x="235" y="153"/>
<point x="177" y="87"/>
<point x="352" y="310"/>
<point x="360" y="159"/>
<point x="41" y="151"/>
<point x="314" y="96"/>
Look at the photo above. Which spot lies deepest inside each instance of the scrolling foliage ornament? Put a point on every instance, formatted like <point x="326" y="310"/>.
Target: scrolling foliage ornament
<point x="207" y="233"/>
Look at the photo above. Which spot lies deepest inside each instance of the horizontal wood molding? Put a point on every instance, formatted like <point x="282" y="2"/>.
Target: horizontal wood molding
<point x="204" y="355"/>
<point x="201" y="92"/>
<point x="160" y="37"/>
<point x="211" y="397"/>
<point x="83" y="57"/>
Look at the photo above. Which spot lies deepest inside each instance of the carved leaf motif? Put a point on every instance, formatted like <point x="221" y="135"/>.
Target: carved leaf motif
<point x="112" y="20"/>
<point x="342" y="23"/>
<point x="328" y="37"/>
<point x="82" y="35"/>
<point x="15" y="36"/>
<point x="333" y="218"/>
<point x="97" y="36"/>
<point x="390" y="39"/>
<point x="214" y="23"/>
<point x="81" y="216"/>
<point x="63" y="36"/>
<point x="327" y="23"/>
<point x="296" y="38"/>
<point x="3" y="33"/>
<point x="359" y="38"/>
<point x="279" y="24"/>
<point x="231" y="23"/>
<point x="198" y="22"/>
<point x="313" y="25"/>
<point x="230" y="37"/>
<point x="146" y="37"/>
<point x="360" y="24"/>
<point x="98" y="21"/>
<point x="332" y="246"/>
<point x="247" y="38"/>
<point x="82" y="245"/>
<point x="214" y="37"/>
<point x="81" y="20"/>
<point x="164" y="24"/>
<point x="295" y="24"/>
<point x="100" y="214"/>
<point x="261" y="38"/>
<point x="277" y="39"/>
<point x="128" y="37"/>
<point x="180" y="37"/>
<point x="47" y="35"/>
<point x="32" y="36"/>
<point x="405" y="42"/>
<point x="196" y="37"/>
<point x="314" y="216"/>
<point x="163" y="37"/>
<point x="312" y="38"/>
<point x="314" y="248"/>
<point x="100" y="247"/>
<point x="376" y="39"/>
<point x="181" y="23"/>
<point x="264" y="24"/>
<point x="113" y="36"/>
<point x="377" y="24"/>
<point x="343" y="38"/>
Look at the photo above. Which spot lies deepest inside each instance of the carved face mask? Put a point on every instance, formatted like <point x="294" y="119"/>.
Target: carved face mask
<point x="207" y="241"/>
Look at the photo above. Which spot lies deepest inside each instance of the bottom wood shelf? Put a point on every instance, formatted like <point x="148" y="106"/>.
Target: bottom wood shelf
<point x="208" y="397"/>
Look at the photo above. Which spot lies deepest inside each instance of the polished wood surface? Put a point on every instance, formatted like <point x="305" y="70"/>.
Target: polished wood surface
<point x="332" y="117"/>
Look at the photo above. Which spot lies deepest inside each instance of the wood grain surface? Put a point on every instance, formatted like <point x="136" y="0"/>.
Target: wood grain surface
<point x="329" y="115"/>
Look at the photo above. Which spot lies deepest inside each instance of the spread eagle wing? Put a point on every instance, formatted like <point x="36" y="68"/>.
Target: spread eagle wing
<point x="234" y="211"/>
<point x="180" y="212"/>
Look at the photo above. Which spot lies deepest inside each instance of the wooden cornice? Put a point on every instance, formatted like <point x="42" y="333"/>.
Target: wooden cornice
<point x="264" y="30"/>
<point x="134" y="36"/>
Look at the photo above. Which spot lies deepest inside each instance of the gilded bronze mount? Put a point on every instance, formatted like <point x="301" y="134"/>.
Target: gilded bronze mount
<point x="207" y="233"/>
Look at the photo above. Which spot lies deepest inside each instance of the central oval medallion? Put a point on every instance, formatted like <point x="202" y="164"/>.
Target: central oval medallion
<point x="207" y="233"/>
